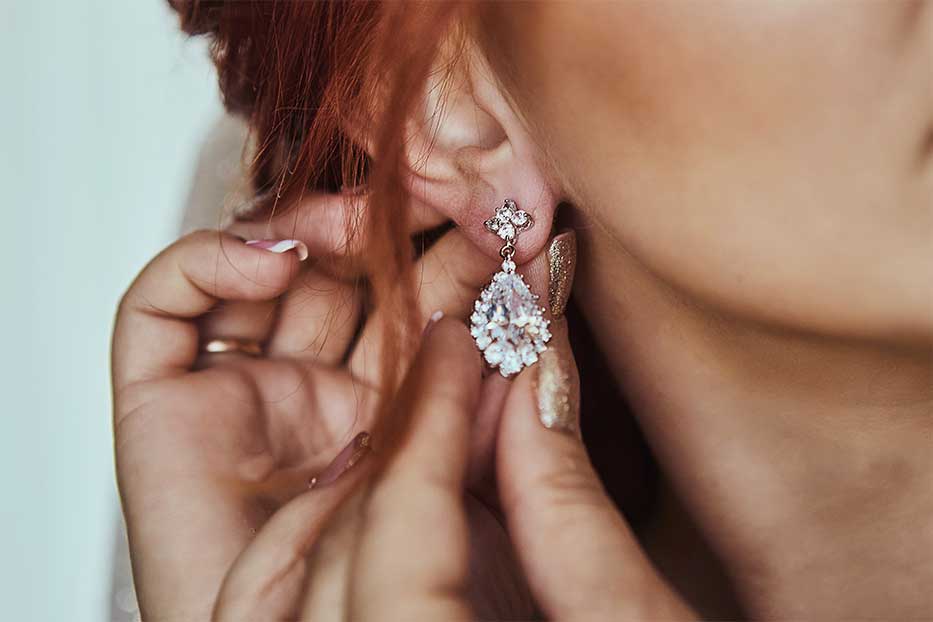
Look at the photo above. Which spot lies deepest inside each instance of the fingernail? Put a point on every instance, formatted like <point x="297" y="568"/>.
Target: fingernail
<point x="434" y="319"/>
<point x="556" y="390"/>
<point x="281" y="246"/>
<point x="562" y="260"/>
<point x="348" y="456"/>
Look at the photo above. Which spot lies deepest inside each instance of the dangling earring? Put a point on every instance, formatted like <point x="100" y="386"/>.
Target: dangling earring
<point x="507" y="323"/>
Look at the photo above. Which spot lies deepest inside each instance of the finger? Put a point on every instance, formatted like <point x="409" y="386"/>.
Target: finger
<point x="579" y="555"/>
<point x="413" y="560"/>
<point x="266" y="581"/>
<point x="448" y="278"/>
<point x="309" y="410"/>
<point x="314" y="320"/>
<point x="329" y="223"/>
<point x="155" y="335"/>
<point x="243" y="321"/>
<point x="330" y="564"/>
<point x="481" y="477"/>
<point x="317" y="319"/>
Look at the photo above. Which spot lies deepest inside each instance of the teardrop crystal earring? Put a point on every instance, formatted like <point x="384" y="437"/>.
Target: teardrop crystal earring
<point x="507" y="323"/>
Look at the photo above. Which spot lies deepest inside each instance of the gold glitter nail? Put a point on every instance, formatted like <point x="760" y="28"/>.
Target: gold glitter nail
<point x="556" y="388"/>
<point x="562" y="260"/>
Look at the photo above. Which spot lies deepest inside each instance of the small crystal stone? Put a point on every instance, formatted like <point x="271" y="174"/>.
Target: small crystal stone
<point x="529" y="356"/>
<point x="506" y="231"/>
<point x="511" y="363"/>
<point x="520" y="218"/>
<point x="494" y="353"/>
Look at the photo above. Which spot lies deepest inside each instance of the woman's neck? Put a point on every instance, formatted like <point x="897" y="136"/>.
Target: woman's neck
<point x="799" y="456"/>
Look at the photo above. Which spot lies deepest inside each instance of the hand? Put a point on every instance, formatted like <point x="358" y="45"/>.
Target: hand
<point x="412" y="555"/>
<point x="209" y="447"/>
<point x="580" y="558"/>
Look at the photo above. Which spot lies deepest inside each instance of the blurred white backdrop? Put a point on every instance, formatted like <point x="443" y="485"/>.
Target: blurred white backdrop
<point x="103" y="105"/>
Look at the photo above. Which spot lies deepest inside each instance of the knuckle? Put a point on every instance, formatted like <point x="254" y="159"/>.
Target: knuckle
<point x="134" y="398"/>
<point x="125" y="302"/>
<point x="569" y="472"/>
<point x="562" y="492"/>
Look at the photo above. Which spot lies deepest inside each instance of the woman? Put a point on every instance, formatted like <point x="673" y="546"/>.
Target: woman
<point x="750" y="190"/>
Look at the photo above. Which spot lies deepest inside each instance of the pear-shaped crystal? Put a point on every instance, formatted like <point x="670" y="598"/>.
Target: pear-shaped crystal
<point x="507" y="323"/>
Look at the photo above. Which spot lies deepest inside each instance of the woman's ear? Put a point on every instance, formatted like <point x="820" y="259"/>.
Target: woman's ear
<point x="468" y="151"/>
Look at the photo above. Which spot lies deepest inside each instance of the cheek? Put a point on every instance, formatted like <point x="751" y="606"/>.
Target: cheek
<point x="743" y="150"/>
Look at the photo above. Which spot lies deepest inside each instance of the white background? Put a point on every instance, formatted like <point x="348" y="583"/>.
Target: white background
<point x="103" y="104"/>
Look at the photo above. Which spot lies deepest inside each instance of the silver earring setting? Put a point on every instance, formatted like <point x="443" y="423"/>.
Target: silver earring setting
<point x="507" y="323"/>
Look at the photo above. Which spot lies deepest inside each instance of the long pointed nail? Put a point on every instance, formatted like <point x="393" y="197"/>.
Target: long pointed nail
<point x="556" y="390"/>
<point x="562" y="262"/>
<point x="281" y="246"/>
<point x="356" y="450"/>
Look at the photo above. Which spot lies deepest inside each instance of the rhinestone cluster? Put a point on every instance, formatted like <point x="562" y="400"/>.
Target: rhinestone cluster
<point x="507" y="323"/>
<point x="509" y="221"/>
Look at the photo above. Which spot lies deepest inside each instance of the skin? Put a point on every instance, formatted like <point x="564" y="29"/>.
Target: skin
<point x="752" y="184"/>
<point x="734" y="167"/>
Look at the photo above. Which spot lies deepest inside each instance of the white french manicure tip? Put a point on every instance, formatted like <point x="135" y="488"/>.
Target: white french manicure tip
<point x="281" y="246"/>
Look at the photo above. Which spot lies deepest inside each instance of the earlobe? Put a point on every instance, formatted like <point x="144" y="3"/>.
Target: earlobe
<point x="468" y="151"/>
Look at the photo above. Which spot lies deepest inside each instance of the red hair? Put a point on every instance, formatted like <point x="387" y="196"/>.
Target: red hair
<point x="303" y="74"/>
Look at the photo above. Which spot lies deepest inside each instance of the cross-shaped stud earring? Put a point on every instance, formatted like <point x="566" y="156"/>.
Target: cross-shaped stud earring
<point x="509" y="221"/>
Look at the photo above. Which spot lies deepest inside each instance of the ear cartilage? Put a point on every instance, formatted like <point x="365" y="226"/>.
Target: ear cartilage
<point x="507" y="323"/>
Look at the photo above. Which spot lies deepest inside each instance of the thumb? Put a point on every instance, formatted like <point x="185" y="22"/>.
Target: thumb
<point x="579" y="555"/>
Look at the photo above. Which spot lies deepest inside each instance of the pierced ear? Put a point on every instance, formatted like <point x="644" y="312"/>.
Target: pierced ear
<point x="468" y="151"/>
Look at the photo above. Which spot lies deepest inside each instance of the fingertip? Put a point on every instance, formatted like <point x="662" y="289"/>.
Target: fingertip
<point x="259" y="269"/>
<point x="434" y="319"/>
<point x="549" y="391"/>
<point x="448" y="338"/>
<point x="280" y="247"/>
